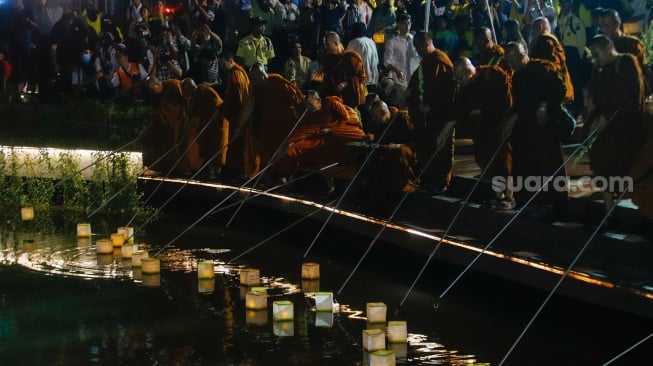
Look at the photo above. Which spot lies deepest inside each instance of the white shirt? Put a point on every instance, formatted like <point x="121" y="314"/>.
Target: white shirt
<point x="400" y="53"/>
<point x="366" y="48"/>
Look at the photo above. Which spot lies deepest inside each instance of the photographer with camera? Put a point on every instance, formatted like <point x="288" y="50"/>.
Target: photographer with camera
<point x="165" y="65"/>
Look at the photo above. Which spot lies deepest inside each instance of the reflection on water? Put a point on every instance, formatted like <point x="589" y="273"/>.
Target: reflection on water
<point x="77" y="306"/>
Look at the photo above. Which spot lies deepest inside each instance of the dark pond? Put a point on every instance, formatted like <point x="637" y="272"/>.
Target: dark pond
<point x="61" y="304"/>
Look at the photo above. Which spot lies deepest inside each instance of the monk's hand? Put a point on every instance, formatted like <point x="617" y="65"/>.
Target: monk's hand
<point x="341" y="85"/>
<point x="475" y="112"/>
<point x="392" y="146"/>
<point x="599" y="124"/>
<point x="369" y="137"/>
<point x="324" y="131"/>
<point x="541" y="115"/>
<point x="506" y="129"/>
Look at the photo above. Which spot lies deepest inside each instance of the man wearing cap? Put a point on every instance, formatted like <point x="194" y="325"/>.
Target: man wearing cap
<point x="401" y="58"/>
<point x="130" y="76"/>
<point x="255" y="47"/>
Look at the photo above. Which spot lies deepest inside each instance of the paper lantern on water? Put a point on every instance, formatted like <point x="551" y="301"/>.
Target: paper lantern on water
<point x="282" y="310"/>
<point x="250" y="277"/>
<point x="310" y="285"/>
<point x="401" y="349"/>
<point x="256" y="300"/>
<point x="104" y="246"/>
<point x="127" y="251"/>
<point x="206" y="285"/>
<point x="310" y="271"/>
<point x="150" y="265"/>
<point x="323" y="319"/>
<point x="383" y="358"/>
<point x="256" y="317"/>
<point x="151" y="279"/>
<point x="205" y="270"/>
<point x="373" y="339"/>
<point x="397" y="332"/>
<point x="27" y="213"/>
<point x="324" y="301"/>
<point x="376" y="312"/>
<point x="283" y="329"/>
<point x="128" y="232"/>
<point x="118" y="239"/>
<point x="83" y="230"/>
<point x="138" y="256"/>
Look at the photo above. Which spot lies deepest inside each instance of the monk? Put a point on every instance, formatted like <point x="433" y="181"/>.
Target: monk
<point x="490" y="53"/>
<point x="431" y="94"/>
<point x="344" y="72"/>
<point x="393" y="167"/>
<point x="277" y="106"/>
<point x="236" y="96"/>
<point x="546" y="46"/>
<point x="322" y="139"/>
<point x="484" y="100"/>
<point x="536" y="150"/>
<point x="617" y="91"/>
<point x="203" y="116"/>
<point x="161" y="146"/>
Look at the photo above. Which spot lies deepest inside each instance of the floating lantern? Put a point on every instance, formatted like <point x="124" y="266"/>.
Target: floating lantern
<point x="256" y="300"/>
<point x="118" y="239"/>
<point x="138" y="256"/>
<point x="397" y="332"/>
<point x="205" y="270"/>
<point x="127" y="251"/>
<point x="151" y="279"/>
<point x="206" y="285"/>
<point x="150" y="265"/>
<point x="401" y="349"/>
<point x="373" y="339"/>
<point x="282" y="310"/>
<point x="83" y="230"/>
<point x="250" y="277"/>
<point x="117" y="251"/>
<point x="324" y="301"/>
<point x="323" y="319"/>
<point x="104" y="246"/>
<point x="128" y="232"/>
<point x="310" y="286"/>
<point x="383" y="358"/>
<point x="256" y="317"/>
<point x="376" y="312"/>
<point x="283" y="329"/>
<point x="27" y="213"/>
<point x="105" y="259"/>
<point x="310" y="271"/>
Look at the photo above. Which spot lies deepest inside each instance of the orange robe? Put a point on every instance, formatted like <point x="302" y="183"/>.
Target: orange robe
<point x="489" y="92"/>
<point x="432" y="84"/>
<point x="346" y="67"/>
<point x="160" y="146"/>
<point x="203" y="113"/>
<point x="308" y="146"/>
<point x="391" y="170"/>
<point x="278" y="104"/>
<point x="237" y="92"/>
<point x="549" y="48"/>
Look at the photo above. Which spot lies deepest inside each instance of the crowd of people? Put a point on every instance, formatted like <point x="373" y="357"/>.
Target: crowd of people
<point x="280" y="87"/>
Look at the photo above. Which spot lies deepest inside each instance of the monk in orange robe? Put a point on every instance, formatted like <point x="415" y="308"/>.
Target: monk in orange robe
<point x="239" y="152"/>
<point x="203" y="116"/>
<point x="161" y="145"/>
<point x="431" y="94"/>
<point x="344" y="72"/>
<point x="322" y="138"/>
<point x="393" y="167"/>
<point x="277" y="106"/>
